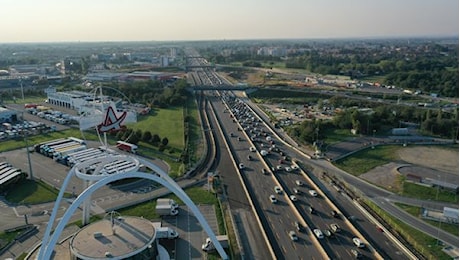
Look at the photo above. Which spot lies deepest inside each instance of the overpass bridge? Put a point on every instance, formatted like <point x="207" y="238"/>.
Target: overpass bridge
<point x="221" y="87"/>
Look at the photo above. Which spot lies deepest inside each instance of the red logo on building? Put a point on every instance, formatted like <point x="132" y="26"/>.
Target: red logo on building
<point x="112" y="122"/>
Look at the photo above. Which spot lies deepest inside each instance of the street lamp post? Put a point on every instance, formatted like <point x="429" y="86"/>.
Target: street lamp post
<point x="439" y="219"/>
<point x="27" y="150"/>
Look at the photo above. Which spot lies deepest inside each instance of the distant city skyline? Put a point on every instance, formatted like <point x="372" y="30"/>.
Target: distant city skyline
<point x="184" y="20"/>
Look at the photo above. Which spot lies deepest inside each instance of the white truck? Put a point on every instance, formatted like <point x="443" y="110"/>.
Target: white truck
<point x="166" y="210"/>
<point x="169" y="202"/>
<point x="209" y="246"/>
<point x="166" y="232"/>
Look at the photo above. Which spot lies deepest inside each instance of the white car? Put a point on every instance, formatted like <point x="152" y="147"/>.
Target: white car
<point x="318" y="233"/>
<point x="297" y="191"/>
<point x="293" y="198"/>
<point x="241" y="166"/>
<point x="294" y="167"/>
<point x="293" y="235"/>
<point x="273" y="199"/>
<point x="278" y="189"/>
<point x="252" y="149"/>
<point x="299" y="183"/>
<point x="313" y="193"/>
<point x="358" y="242"/>
<point x="279" y="167"/>
<point x="287" y="168"/>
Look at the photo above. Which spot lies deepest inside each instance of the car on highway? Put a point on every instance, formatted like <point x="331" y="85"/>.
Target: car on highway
<point x="278" y="189"/>
<point x="241" y="166"/>
<point x="299" y="183"/>
<point x="293" y="235"/>
<point x="312" y="210"/>
<point x="328" y="233"/>
<point x="356" y="253"/>
<point x="252" y="149"/>
<point x="264" y="171"/>
<point x="313" y="193"/>
<point x="298" y="226"/>
<point x="296" y="191"/>
<point x="287" y="168"/>
<point x="279" y="167"/>
<point x="335" y="214"/>
<point x="293" y="198"/>
<point x="249" y="158"/>
<point x="358" y="242"/>
<point x="318" y="233"/>
<point x="294" y="167"/>
<point x="335" y="228"/>
<point x="273" y="199"/>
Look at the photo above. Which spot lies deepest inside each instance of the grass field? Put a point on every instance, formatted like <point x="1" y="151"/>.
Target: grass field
<point x="168" y="122"/>
<point x="365" y="160"/>
<point x="147" y="209"/>
<point x="425" y="244"/>
<point x="413" y="190"/>
<point x="33" y="192"/>
<point x="416" y="212"/>
<point x="336" y="135"/>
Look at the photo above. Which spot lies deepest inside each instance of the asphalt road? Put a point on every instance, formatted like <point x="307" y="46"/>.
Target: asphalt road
<point x="276" y="222"/>
<point x="253" y="246"/>
<point x="379" y="240"/>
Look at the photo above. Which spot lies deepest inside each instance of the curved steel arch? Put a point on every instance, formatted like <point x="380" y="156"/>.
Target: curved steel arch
<point x="49" y="242"/>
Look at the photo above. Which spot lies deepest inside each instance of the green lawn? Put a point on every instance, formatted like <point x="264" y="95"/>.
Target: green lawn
<point x="147" y="209"/>
<point x="428" y="193"/>
<point x="33" y="192"/>
<point x="168" y="122"/>
<point x="416" y="212"/>
<point x="365" y="160"/>
<point x="336" y="135"/>
<point x="426" y="245"/>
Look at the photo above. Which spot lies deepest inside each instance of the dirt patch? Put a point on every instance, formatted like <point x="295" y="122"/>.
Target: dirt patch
<point x="417" y="158"/>
<point x="431" y="157"/>
<point x="385" y="176"/>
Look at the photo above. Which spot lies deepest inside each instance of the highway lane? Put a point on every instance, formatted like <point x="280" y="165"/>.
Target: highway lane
<point x="276" y="220"/>
<point x="379" y="240"/>
<point x="253" y="246"/>
<point x="338" y="246"/>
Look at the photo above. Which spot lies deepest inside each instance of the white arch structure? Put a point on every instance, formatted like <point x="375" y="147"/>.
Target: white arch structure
<point x="49" y="241"/>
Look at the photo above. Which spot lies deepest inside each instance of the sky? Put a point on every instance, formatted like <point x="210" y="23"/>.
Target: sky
<point x="183" y="20"/>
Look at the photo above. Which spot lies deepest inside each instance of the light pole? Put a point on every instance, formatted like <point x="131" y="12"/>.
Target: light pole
<point x="27" y="150"/>
<point x="439" y="219"/>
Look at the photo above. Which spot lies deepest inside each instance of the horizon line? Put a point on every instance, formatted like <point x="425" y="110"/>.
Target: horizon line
<point x="248" y="39"/>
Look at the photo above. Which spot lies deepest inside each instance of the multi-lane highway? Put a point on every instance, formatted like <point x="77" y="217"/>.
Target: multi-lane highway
<point x="246" y="136"/>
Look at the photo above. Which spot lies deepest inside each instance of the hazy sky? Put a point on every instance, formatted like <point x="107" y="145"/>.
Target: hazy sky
<point x="132" y="20"/>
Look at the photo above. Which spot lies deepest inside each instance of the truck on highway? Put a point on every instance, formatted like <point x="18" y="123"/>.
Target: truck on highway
<point x="166" y="201"/>
<point x="209" y="246"/>
<point x="166" y="210"/>
<point x="166" y="232"/>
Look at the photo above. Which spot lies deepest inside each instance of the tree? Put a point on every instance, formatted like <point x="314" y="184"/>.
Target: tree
<point x="165" y="141"/>
<point x="155" y="139"/>
<point x="147" y="136"/>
